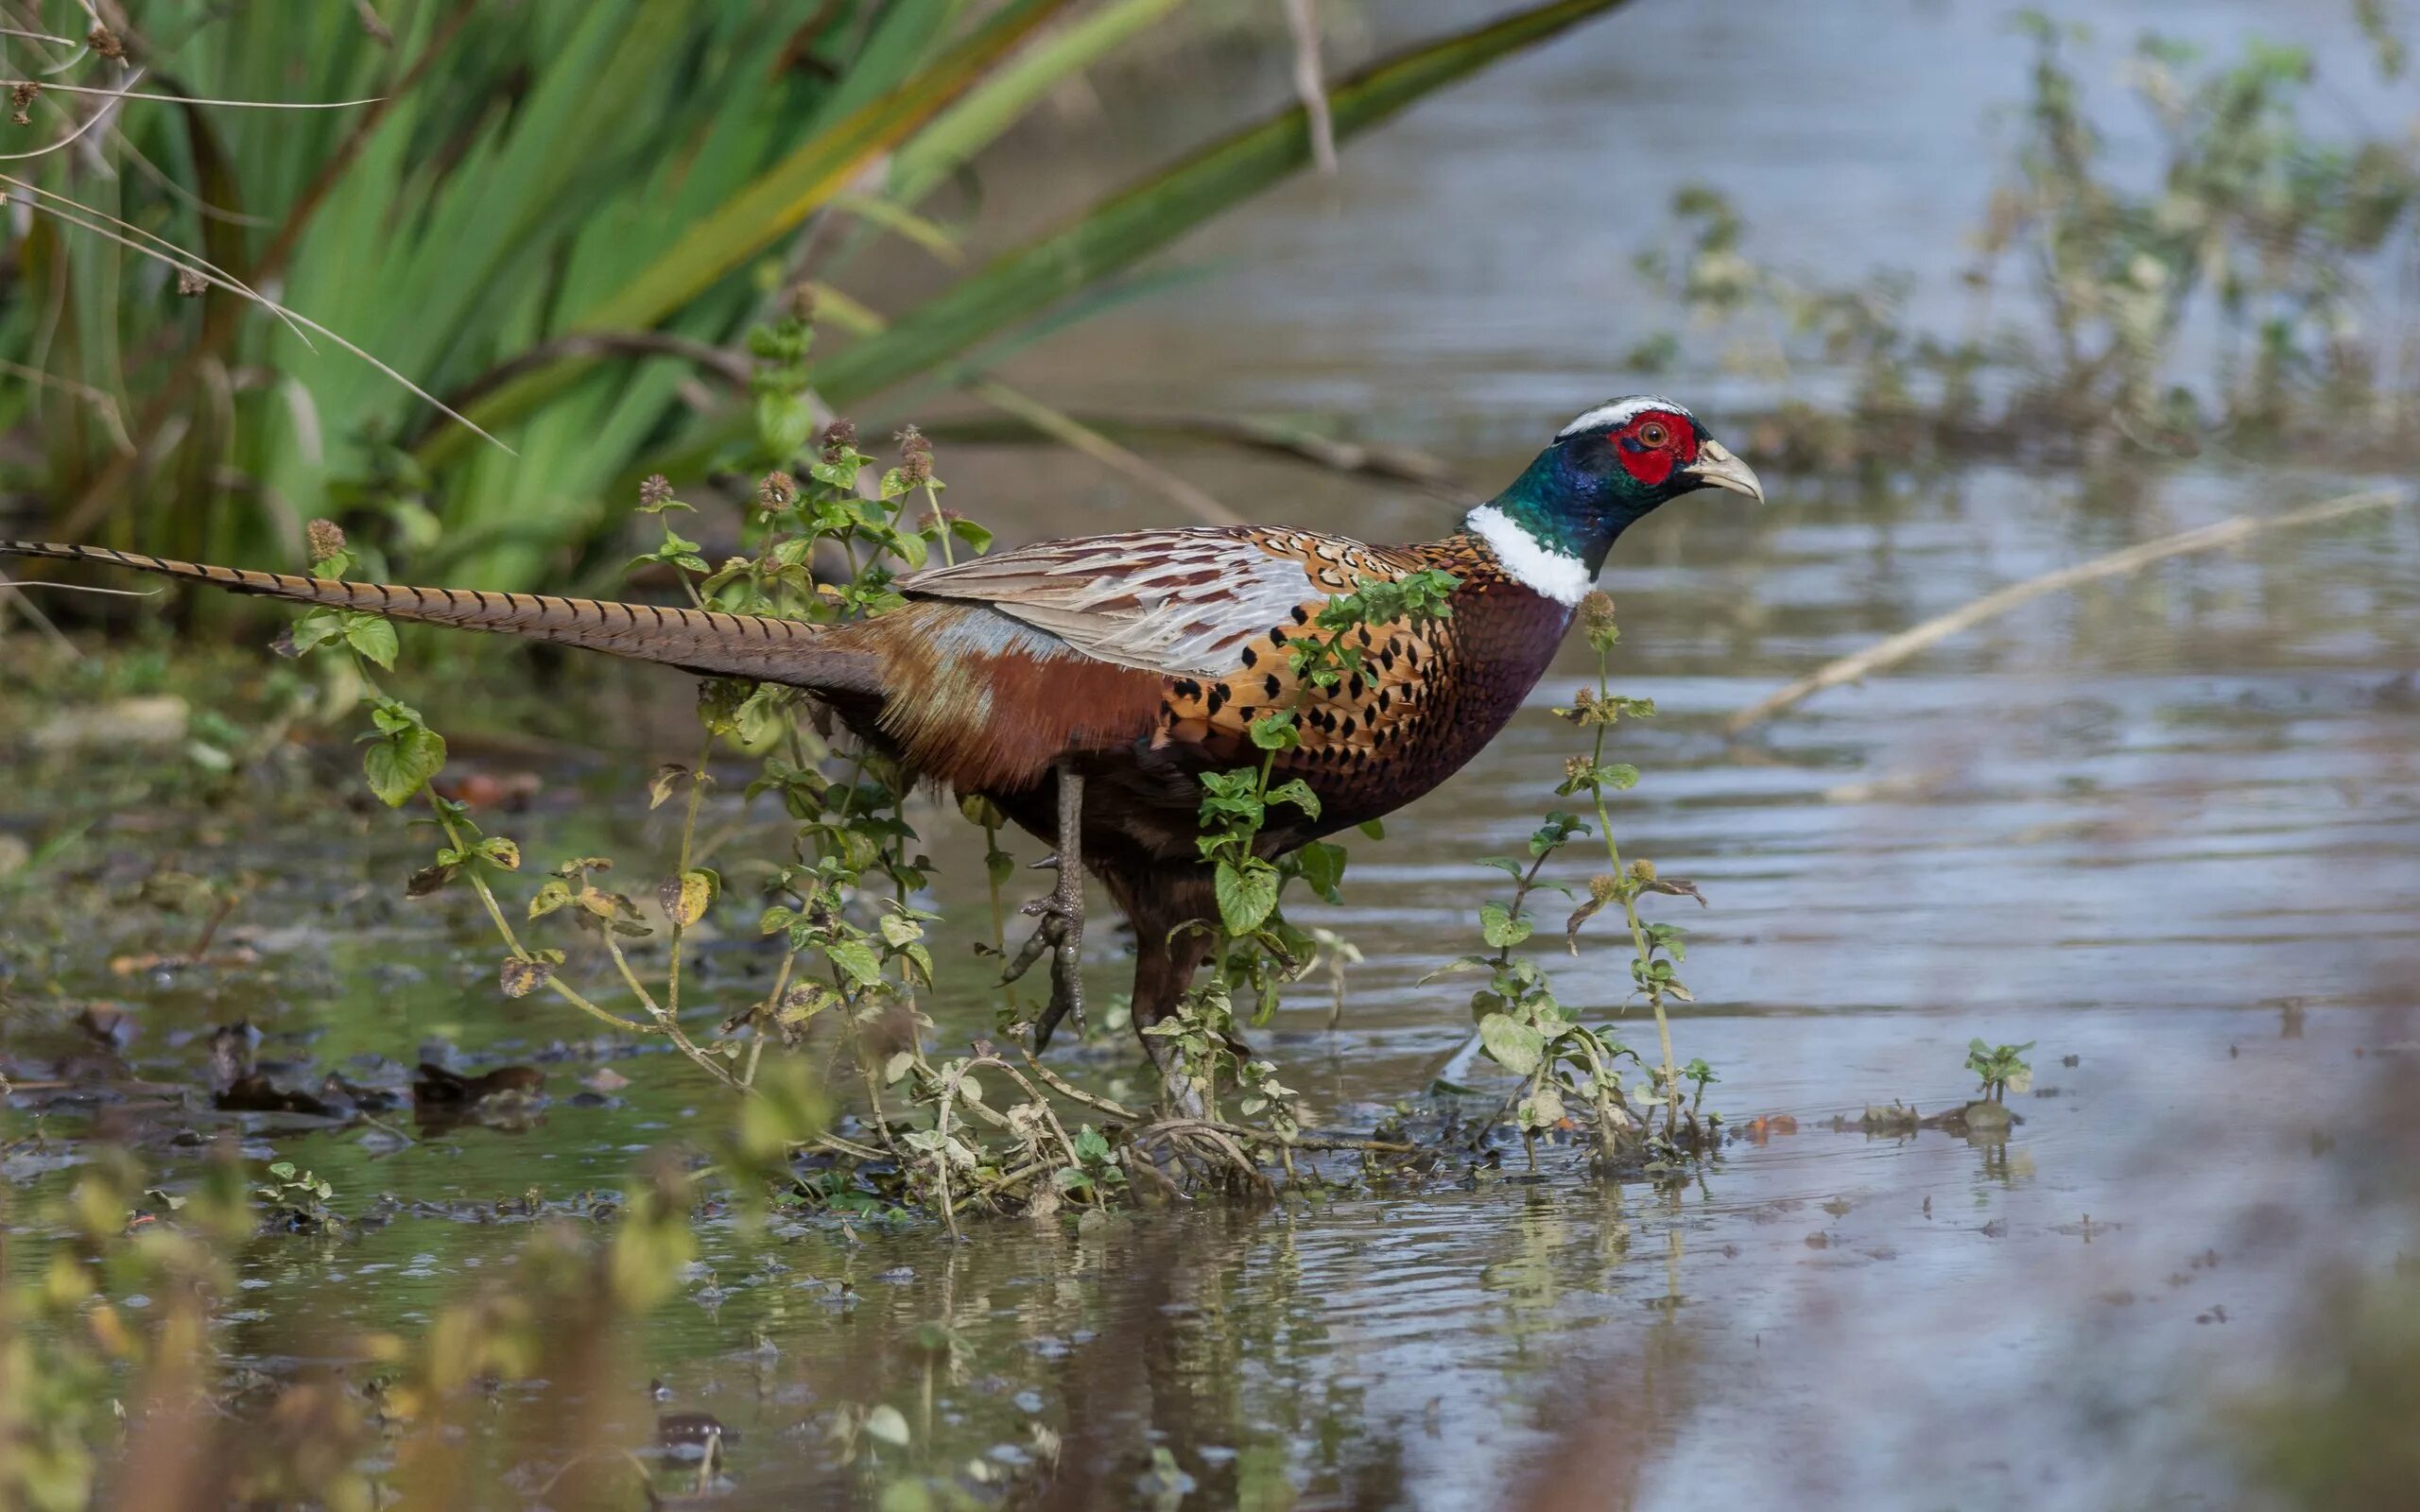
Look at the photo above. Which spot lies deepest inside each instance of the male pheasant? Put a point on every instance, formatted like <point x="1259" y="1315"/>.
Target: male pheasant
<point x="1083" y="685"/>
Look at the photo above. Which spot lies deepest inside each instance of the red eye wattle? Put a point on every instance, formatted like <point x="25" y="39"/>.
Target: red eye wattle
<point x="1654" y="446"/>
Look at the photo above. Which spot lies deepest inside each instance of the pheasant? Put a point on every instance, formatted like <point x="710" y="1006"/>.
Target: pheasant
<point x="1084" y="685"/>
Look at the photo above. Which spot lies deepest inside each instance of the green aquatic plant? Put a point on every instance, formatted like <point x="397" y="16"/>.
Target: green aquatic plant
<point x="2000" y="1069"/>
<point x="1567" y="1068"/>
<point x="2257" y="237"/>
<point x="297" y="1199"/>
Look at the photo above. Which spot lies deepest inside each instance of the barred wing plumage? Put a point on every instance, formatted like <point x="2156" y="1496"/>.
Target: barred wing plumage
<point x="1179" y="603"/>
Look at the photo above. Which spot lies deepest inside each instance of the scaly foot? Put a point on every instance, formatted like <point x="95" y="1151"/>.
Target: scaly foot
<point x="1062" y="930"/>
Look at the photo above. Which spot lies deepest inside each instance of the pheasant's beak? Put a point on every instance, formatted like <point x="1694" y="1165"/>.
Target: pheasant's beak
<point x="1716" y="467"/>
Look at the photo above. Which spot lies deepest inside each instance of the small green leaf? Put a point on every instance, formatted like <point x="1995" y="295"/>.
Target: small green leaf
<point x="1323" y="864"/>
<point x="372" y="637"/>
<point x="1541" y="1108"/>
<point x="1247" y="894"/>
<point x="1297" y="793"/>
<point x="1277" y="731"/>
<point x="1499" y="928"/>
<point x="1514" y="1045"/>
<point x="401" y="764"/>
<point x="855" y="959"/>
<point x="1459" y="963"/>
<point x="659" y="786"/>
<point x="552" y="894"/>
<point x="315" y="628"/>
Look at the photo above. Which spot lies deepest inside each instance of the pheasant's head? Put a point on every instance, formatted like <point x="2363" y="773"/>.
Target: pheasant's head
<point x="1552" y="526"/>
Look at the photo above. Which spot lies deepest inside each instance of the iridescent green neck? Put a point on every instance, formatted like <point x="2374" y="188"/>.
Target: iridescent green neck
<point x="1567" y="512"/>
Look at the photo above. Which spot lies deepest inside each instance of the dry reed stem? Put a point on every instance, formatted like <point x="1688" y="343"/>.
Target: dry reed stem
<point x="1897" y="648"/>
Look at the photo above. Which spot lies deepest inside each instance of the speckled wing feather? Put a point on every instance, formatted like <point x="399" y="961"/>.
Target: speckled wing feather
<point x="1179" y="603"/>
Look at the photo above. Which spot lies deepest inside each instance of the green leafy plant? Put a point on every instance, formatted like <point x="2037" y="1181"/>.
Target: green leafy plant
<point x="1561" y="1064"/>
<point x="1564" y="1066"/>
<point x="297" y="1199"/>
<point x="1255" y="951"/>
<point x="2256" y="227"/>
<point x="2001" y="1069"/>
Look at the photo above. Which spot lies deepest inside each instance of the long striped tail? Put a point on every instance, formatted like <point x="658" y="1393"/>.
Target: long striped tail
<point x="702" y="641"/>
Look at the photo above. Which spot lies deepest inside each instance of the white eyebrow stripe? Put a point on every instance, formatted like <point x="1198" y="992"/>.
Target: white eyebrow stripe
<point x="1607" y="416"/>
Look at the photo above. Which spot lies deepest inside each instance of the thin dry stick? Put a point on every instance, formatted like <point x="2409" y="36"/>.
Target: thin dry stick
<point x="1078" y="437"/>
<point x="1056" y="425"/>
<point x="1891" y="652"/>
<point x="90" y="122"/>
<point x="731" y="366"/>
<point x="11" y="593"/>
<point x="189" y="99"/>
<point x="1397" y="464"/>
<point x="1309" y="86"/>
<point x="103" y="403"/>
<point x="1069" y="1090"/>
<point x="697" y="780"/>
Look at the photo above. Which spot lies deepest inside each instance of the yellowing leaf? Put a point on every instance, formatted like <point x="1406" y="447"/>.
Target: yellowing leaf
<point x="686" y="897"/>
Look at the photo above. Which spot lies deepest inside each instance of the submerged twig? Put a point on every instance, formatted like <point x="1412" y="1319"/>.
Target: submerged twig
<point x="1891" y="652"/>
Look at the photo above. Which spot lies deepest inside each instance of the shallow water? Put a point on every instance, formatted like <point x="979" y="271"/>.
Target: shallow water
<point x="2166" y="829"/>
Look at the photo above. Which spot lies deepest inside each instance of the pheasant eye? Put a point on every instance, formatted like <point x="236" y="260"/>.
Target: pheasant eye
<point x="1654" y="435"/>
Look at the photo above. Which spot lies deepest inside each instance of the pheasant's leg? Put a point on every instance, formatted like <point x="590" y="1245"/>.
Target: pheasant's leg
<point x="1062" y="930"/>
<point x="1163" y="967"/>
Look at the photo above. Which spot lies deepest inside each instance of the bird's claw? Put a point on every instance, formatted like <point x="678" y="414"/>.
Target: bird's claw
<point x="1056" y="921"/>
<point x="1062" y="914"/>
<point x="1062" y="934"/>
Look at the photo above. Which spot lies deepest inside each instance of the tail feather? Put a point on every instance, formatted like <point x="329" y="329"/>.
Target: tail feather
<point x="702" y="641"/>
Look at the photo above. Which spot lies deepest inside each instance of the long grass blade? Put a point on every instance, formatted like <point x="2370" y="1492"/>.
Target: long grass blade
<point x="1152" y="215"/>
<point x="1000" y="101"/>
<point x="771" y="206"/>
